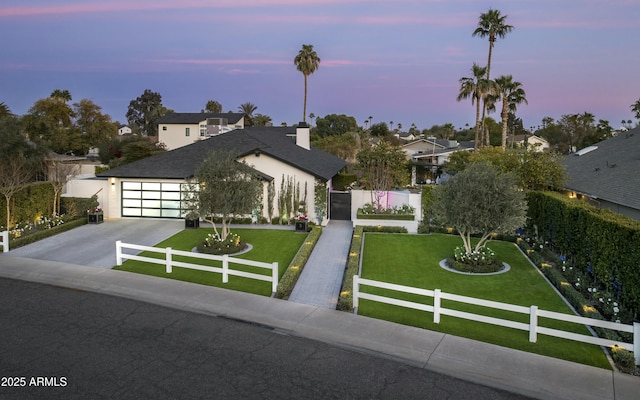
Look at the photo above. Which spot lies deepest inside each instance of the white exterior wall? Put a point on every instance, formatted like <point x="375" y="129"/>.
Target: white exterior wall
<point x="174" y="136"/>
<point x="390" y="199"/>
<point x="87" y="187"/>
<point x="275" y="168"/>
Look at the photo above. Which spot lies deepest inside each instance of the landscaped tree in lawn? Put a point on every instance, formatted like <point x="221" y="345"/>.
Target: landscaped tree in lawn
<point x="307" y="62"/>
<point x="480" y="200"/>
<point x="144" y="111"/>
<point x="226" y="189"/>
<point x="383" y="166"/>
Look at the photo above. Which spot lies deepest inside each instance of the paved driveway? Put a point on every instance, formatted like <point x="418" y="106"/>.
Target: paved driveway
<point x="95" y="245"/>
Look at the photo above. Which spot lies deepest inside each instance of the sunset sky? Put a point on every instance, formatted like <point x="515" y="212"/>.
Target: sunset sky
<point x="393" y="60"/>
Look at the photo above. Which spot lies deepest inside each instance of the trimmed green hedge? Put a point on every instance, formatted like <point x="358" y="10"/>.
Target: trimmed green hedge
<point x="291" y="275"/>
<point x="28" y="204"/>
<point x="384" y="229"/>
<point x="594" y="240"/>
<point x="396" y="217"/>
<point x="345" y="300"/>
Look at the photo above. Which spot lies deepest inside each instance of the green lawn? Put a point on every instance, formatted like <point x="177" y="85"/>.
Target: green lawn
<point x="268" y="246"/>
<point x="413" y="260"/>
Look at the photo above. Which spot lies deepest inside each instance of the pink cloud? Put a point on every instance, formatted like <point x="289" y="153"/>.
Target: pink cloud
<point x="148" y="5"/>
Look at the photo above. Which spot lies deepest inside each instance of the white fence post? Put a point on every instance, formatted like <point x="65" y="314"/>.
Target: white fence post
<point x="437" y="293"/>
<point x="225" y="268"/>
<point x="274" y="276"/>
<point x="533" y="324"/>
<point x="169" y="259"/>
<point x="5" y="241"/>
<point x="119" y="253"/>
<point x="636" y="341"/>
<point x="356" y="290"/>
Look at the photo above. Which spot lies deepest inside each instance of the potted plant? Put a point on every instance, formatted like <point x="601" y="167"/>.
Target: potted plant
<point x="95" y="215"/>
<point x="192" y="220"/>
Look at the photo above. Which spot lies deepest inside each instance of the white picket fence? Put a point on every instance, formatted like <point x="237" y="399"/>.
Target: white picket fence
<point x="534" y="313"/>
<point x="4" y="235"/>
<point x="169" y="262"/>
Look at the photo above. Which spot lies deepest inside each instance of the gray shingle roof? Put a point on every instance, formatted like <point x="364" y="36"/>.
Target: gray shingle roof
<point x="194" y="118"/>
<point x="183" y="162"/>
<point x="611" y="172"/>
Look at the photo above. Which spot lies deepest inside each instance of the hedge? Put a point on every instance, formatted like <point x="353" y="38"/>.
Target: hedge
<point x="596" y="241"/>
<point x="28" y="204"/>
<point x="396" y="217"/>
<point x="345" y="300"/>
<point x="39" y="235"/>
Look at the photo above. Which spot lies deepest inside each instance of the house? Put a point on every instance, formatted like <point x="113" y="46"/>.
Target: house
<point x="607" y="174"/>
<point x="534" y="142"/>
<point x="406" y="136"/>
<point x="180" y="129"/>
<point x="124" y="130"/>
<point x="430" y="153"/>
<point x="156" y="186"/>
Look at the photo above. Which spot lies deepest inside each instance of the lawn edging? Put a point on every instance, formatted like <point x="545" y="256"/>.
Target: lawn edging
<point x="291" y="275"/>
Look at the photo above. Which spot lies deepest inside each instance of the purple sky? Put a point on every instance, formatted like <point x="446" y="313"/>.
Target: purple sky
<point x="393" y="60"/>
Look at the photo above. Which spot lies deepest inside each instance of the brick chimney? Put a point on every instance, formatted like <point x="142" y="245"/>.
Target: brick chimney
<point x="302" y="136"/>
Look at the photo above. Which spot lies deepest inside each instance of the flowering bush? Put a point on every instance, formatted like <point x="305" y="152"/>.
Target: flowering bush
<point x="405" y="209"/>
<point x="94" y="210"/>
<point x="41" y="223"/>
<point x="482" y="261"/>
<point x="214" y="244"/>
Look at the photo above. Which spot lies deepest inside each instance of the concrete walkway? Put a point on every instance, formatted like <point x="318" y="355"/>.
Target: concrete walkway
<point x="512" y="370"/>
<point x="320" y="282"/>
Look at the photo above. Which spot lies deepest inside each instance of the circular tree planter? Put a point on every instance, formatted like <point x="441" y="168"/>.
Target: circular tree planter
<point x="444" y="265"/>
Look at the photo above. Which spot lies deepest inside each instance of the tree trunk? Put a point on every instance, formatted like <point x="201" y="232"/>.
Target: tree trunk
<point x="304" y="115"/>
<point x="505" y="116"/>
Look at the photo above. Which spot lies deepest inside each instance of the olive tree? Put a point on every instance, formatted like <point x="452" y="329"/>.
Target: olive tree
<point x="480" y="200"/>
<point x="226" y="188"/>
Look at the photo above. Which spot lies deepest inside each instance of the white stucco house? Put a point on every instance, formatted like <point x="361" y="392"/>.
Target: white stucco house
<point x="531" y="142"/>
<point x="180" y="129"/>
<point x="156" y="187"/>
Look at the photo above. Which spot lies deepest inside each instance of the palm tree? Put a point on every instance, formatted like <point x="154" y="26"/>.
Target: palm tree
<point x="64" y="95"/>
<point x="511" y="94"/>
<point x="213" y="106"/>
<point x="307" y="62"/>
<point x="635" y="107"/>
<point x="473" y="87"/>
<point x="4" y="110"/>
<point x="491" y="24"/>
<point x="247" y="109"/>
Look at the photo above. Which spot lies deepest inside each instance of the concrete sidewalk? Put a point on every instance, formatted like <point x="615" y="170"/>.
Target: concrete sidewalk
<point x="512" y="370"/>
<point x="320" y="282"/>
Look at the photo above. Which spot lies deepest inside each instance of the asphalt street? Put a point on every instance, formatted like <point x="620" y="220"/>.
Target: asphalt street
<point x="71" y="344"/>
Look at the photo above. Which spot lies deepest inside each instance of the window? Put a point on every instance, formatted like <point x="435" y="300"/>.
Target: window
<point x="164" y="128"/>
<point x="187" y="131"/>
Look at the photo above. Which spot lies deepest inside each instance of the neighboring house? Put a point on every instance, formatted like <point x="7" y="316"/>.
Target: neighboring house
<point x="430" y="153"/>
<point x="607" y="174"/>
<point x="529" y="141"/>
<point x="406" y="136"/>
<point x="180" y="129"/>
<point x="156" y="186"/>
<point x="124" y="130"/>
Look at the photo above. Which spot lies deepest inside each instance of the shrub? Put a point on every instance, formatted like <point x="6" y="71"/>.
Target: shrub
<point x="39" y="235"/>
<point x="345" y="300"/>
<point x="624" y="359"/>
<point x="213" y="244"/>
<point x="384" y="229"/>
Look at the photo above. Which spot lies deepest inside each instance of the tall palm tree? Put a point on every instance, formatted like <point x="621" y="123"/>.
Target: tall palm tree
<point x="64" y="95"/>
<point x="492" y="25"/>
<point x="511" y="94"/>
<point x="248" y="109"/>
<point x="472" y="87"/>
<point x="307" y="62"/>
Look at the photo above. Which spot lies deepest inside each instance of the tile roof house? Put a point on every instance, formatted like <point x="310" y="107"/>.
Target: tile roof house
<point x="180" y="129"/>
<point x="155" y="186"/>
<point x="607" y="174"/>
